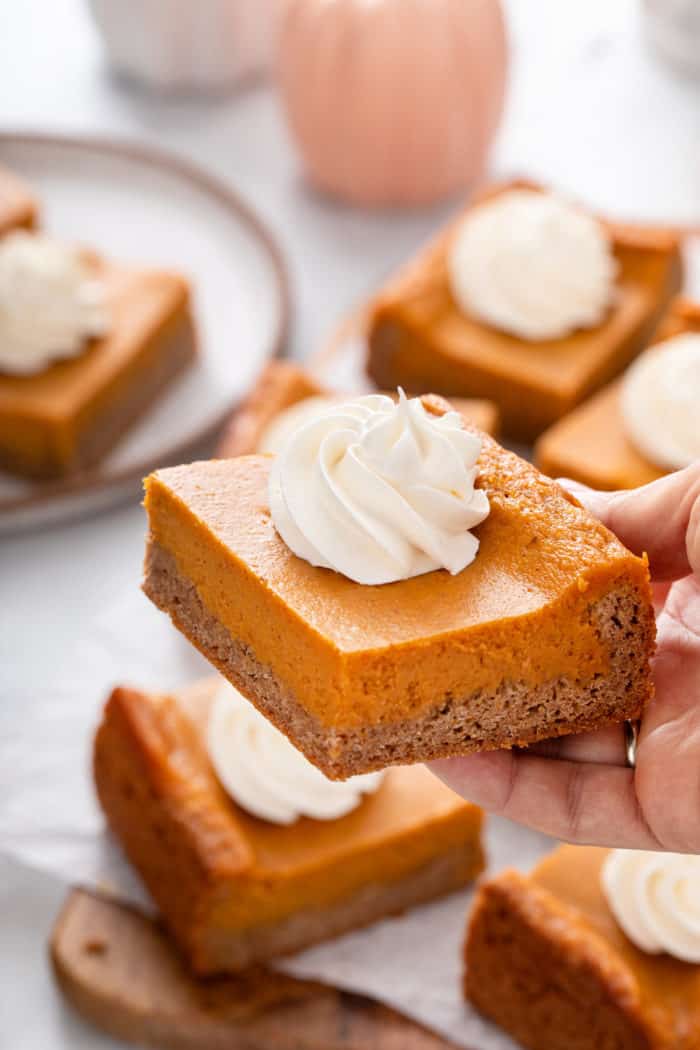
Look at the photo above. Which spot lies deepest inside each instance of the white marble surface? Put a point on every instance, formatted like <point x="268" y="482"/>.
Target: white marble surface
<point x="588" y="111"/>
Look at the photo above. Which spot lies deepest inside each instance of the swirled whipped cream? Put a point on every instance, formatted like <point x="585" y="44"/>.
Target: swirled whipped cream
<point x="50" y="303"/>
<point x="279" y="429"/>
<point x="655" y="898"/>
<point x="660" y="402"/>
<point x="266" y="775"/>
<point x="532" y="265"/>
<point x="379" y="491"/>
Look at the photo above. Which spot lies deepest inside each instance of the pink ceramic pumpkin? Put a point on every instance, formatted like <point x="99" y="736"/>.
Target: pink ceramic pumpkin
<point x="392" y="101"/>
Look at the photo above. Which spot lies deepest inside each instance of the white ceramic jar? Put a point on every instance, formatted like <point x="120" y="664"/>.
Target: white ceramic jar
<point x="188" y="45"/>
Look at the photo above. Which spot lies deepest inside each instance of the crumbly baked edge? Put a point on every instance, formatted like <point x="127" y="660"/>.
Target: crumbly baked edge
<point x="515" y="714"/>
<point x="222" y="951"/>
<point x="191" y="875"/>
<point x="540" y="973"/>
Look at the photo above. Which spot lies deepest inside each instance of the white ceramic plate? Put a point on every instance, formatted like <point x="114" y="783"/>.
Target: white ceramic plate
<point x="148" y="208"/>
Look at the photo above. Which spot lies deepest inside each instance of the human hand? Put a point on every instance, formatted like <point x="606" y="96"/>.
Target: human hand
<point x="579" y="788"/>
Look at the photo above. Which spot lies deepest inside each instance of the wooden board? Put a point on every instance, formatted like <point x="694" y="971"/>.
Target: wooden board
<point x="120" y="972"/>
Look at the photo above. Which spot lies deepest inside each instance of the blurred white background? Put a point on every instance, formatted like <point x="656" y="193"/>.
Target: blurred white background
<point x="589" y="110"/>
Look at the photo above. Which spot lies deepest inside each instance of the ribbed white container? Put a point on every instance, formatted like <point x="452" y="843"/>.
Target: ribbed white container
<point x="198" y="45"/>
<point x="672" y="28"/>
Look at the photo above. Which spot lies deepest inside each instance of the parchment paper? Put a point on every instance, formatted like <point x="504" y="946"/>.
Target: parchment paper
<point x="50" y="821"/>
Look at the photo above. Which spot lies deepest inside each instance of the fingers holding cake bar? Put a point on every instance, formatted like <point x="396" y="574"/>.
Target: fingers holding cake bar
<point x="488" y="609"/>
<point x="582" y="793"/>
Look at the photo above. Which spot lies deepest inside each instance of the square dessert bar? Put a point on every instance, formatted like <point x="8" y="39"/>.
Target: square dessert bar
<point x="235" y="890"/>
<point x="283" y="384"/>
<point x="591" y="444"/>
<point x="546" y="960"/>
<point x="19" y="208"/>
<point x="64" y="419"/>
<point x="419" y="338"/>
<point x="549" y="631"/>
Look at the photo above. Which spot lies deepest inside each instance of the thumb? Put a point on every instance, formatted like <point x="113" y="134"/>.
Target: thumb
<point x="661" y="519"/>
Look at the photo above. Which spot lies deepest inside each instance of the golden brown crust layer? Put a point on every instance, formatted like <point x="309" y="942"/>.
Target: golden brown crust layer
<point x="549" y="980"/>
<point x="225" y="882"/>
<point x="514" y="714"/>
<point x="447" y="871"/>
<point x="359" y="665"/>
<point x="419" y="339"/>
<point x="164" y="813"/>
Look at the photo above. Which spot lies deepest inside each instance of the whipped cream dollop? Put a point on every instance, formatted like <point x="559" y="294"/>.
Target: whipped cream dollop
<point x="532" y="265"/>
<point x="655" y="897"/>
<point x="279" y="429"/>
<point x="379" y="490"/>
<point x="660" y="402"/>
<point x="265" y="774"/>
<point x="50" y="303"/>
